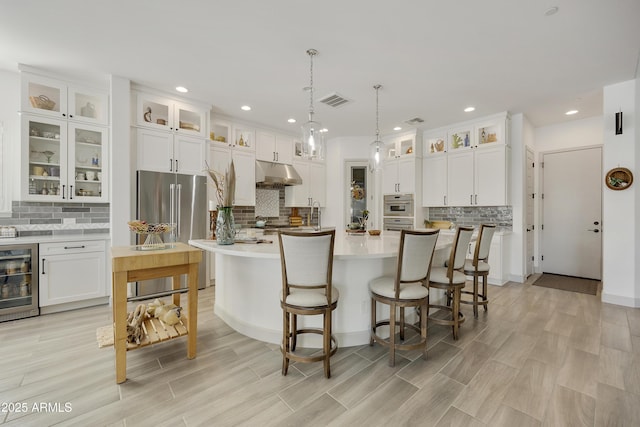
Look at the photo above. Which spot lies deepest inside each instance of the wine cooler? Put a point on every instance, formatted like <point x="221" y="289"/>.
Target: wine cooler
<point x="18" y="281"/>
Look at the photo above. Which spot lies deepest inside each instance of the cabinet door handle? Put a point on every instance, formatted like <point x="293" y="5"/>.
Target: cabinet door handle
<point x="277" y="157"/>
<point x="445" y="199"/>
<point x="470" y="199"/>
<point x="170" y="165"/>
<point x="64" y="115"/>
<point x="73" y="247"/>
<point x="176" y="165"/>
<point x="43" y="272"/>
<point x="63" y="186"/>
<point x="476" y="199"/>
<point x="70" y="192"/>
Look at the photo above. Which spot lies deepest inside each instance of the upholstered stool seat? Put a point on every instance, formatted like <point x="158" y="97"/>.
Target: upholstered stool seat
<point x="451" y="279"/>
<point x="408" y="288"/>
<point x="478" y="267"/>
<point x="307" y="264"/>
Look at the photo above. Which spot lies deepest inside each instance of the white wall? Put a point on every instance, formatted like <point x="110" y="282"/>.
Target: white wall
<point x="620" y="236"/>
<point x="577" y="133"/>
<point x="122" y="173"/>
<point x="10" y="155"/>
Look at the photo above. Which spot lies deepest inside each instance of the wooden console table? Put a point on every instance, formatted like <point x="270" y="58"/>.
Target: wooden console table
<point x="131" y="265"/>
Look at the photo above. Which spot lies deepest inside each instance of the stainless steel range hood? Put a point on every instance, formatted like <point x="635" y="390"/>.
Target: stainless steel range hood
<point x="275" y="173"/>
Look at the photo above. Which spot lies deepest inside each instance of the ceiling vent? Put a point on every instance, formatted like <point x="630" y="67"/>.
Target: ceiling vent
<point x="335" y="100"/>
<point x="414" y="121"/>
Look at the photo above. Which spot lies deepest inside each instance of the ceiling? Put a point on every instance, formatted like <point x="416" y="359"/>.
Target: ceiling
<point x="432" y="57"/>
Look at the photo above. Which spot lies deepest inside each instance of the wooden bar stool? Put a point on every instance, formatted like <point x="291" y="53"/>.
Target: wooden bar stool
<point x="408" y="288"/>
<point x="451" y="279"/>
<point x="479" y="267"/>
<point x="307" y="265"/>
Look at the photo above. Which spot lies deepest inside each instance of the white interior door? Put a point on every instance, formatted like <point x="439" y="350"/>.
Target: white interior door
<point x="529" y="215"/>
<point x="572" y="209"/>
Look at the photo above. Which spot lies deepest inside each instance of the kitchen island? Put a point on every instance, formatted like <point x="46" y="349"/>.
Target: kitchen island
<point x="249" y="281"/>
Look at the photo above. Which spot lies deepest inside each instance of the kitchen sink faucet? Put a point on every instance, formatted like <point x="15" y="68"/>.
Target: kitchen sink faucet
<point x="319" y="227"/>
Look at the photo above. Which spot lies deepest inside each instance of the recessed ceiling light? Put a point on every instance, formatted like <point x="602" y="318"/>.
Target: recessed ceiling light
<point x="182" y="89"/>
<point x="397" y="128"/>
<point x="245" y="108"/>
<point x="291" y="120"/>
<point x="571" y="112"/>
<point x="469" y="109"/>
<point x="551" y="11"/>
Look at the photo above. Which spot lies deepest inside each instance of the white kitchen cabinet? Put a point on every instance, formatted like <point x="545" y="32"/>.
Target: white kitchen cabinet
<point x="400" y="146"/>
<point x="491" y="132"/>
<point x="161" y="151"/>
<point x="435" y="142"/>
<point x="72" y="271"/>
<point x="62" y="100"/>
<point x="399" y="175"/>
<point x="313" y="187"/>
<point x="434" y="180"/>
<point x="63" y="160"/>
<point x="478" y="177"/>
<point x="165" y="114"/>
<point x="461" y="138"/>
<point x="274" y="148"/>
<point x="244" y="164"/>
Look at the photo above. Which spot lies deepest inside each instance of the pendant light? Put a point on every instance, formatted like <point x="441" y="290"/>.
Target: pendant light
<point x="377" y="147"/>
<point x="312" y="138"/>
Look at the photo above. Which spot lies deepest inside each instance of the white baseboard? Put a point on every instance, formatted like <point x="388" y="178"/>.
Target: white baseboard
<point x="48" y="309"/>
<point x="621" y="300"/>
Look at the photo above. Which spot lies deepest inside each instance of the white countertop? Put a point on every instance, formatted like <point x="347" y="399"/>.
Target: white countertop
<point x="347" y="246"/>
<point x="53" y="239"/>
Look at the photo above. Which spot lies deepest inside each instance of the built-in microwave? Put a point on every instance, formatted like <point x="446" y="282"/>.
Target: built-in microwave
<point x="398" y="205"/>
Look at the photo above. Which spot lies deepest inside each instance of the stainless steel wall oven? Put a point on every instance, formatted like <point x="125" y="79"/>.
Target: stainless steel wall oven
<point x="398" y="205"/>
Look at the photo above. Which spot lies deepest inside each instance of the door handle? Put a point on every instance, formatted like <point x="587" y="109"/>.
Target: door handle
<point x="63" y="186"/>
<point x="43" y="272"/>
<point x="70" y="192"/>
<point x="170" y="165"/>
<point x="176" y="165"/>
<point x="179" y="207"/>
<point x="595" y="230"/>
<point x="172" y="206"/>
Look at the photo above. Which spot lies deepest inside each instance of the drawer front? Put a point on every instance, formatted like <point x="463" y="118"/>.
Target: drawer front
<point x="73" y="247"/>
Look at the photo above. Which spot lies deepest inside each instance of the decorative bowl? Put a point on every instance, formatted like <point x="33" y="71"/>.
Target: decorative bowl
<point x="374" y="232"/>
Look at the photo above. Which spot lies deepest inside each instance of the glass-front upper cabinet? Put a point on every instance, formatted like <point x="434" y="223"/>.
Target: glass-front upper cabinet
<point x="55" y="98"/>
<point x="63" y="161"/>
<point x="166" y="114"/>
<point x="461" y="138"/>
<point x="45" y="152"/>
<point x="88" y="158"/>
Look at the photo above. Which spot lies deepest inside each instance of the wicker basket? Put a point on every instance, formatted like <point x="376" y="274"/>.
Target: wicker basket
<point x="42" y="102"/>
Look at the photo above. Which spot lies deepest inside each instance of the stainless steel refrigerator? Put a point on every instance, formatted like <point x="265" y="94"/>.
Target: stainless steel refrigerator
<point x="179" y="200"/>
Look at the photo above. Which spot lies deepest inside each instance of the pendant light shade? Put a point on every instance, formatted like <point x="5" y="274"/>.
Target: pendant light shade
<point x="312" y="134"/>
<point x="377" y="147"/>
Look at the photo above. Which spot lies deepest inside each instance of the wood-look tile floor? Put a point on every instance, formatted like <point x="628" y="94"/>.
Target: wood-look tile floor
<point x="538" y="357"/>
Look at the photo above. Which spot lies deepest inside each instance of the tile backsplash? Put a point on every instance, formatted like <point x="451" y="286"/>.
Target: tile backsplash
<point x="502" y="216"/>
<point x="46" y="218"/>
<point x="277" y="214"/>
